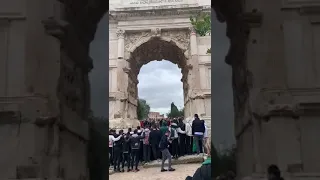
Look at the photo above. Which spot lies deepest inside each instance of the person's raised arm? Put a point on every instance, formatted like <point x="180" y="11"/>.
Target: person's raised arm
<point x="117" y="138"/>
<point x="180" y="131"/>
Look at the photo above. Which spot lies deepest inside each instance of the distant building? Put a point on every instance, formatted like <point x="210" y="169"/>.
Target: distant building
<point x="155" y="115"/>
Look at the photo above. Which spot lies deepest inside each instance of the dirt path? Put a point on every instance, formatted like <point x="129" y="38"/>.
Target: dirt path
<point x="182" y="171"/>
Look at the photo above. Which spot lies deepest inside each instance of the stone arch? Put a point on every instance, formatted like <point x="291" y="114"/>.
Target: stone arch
<point x="149" y="49"/>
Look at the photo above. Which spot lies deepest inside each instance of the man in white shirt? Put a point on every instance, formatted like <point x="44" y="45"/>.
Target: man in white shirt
<point x="112" y="139"/>
<point x="174" y="130"/>
<point x="189" y="139"/>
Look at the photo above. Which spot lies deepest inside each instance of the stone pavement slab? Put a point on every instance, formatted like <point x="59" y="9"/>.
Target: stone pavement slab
<point x="153" y="173"/>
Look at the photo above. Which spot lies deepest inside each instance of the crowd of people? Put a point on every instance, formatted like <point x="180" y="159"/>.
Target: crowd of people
<point x="157" y="140"/>
<point x="163" y="140"/>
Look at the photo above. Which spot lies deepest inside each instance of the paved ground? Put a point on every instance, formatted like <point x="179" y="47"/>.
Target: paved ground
<point x="153" y="173"/>
<point x="182" y="160"/>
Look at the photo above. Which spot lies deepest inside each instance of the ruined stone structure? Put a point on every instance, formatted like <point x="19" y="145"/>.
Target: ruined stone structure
<point x="44" y="94"/>
<point x="155" y="115"/>
<point x="140" y="33"/>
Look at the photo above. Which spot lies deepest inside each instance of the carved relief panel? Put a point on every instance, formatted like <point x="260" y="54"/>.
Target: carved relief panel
<point x="133" y="40"/>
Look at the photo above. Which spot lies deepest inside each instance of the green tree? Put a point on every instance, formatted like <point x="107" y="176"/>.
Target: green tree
<point x="175" y="112"/>
<point x="143" y="109"/>
<point x="202" y="25"/>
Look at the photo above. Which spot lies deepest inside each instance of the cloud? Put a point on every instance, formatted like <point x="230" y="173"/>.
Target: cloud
<point x="160" y="85"/>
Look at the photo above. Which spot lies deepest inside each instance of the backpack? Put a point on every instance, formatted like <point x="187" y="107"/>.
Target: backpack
<point x="135" y="143"/>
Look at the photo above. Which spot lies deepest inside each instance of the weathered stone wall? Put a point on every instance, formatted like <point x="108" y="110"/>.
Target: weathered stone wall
<point x="275" y="90"/>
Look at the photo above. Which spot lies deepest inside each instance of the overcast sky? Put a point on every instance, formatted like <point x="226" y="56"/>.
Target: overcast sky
<point x="155" y="87"/>
<point x="160" y="85"/>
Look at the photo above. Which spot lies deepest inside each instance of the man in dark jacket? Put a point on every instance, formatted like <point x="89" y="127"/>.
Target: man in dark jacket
<point x="117" y="147"/>
<point x="134" y="142"/>
<point x="126" y="152"/>
<point x="182" y="138"/>
<point x="198" y="130"/>
<point x="163" y="146"/>
<point x="154" y="140"/>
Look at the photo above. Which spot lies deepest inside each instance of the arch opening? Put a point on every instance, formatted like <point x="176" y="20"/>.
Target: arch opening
<point x="155" y="49"/>
<point x="159" y="85"/>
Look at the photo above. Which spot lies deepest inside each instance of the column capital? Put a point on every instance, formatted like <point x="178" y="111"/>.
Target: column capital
<point x="120" y="33"/>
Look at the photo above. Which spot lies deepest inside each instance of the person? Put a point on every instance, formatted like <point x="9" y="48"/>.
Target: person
<point x="174" y="129"/>
<point x="134" y="142"/>
<point x="140" y="131"/>
<point x="189" y="139"/>
<point x="126" y="152"/>
<point x="117" y="151"/>
<point x="146" y="145"/>
<point x="203" y="172"/>
<point x="205" y="135"/>
<point x="198" y="130"/>
<point x="163" y="128"/>
<point x="154" y="140"/>
<point x="163" y="146"/>
<point x="273" y="173"/>
<point x="182" y="138"/>
<point x="112" y="139"/>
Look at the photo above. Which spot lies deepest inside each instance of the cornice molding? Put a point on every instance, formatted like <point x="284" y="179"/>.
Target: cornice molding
<point x="124" y="14"/>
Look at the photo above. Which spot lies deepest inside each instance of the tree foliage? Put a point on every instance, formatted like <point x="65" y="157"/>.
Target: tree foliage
<point x="175" y="112"/>
<point x="202" y="25"/>
<point x="143" y="109"/>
